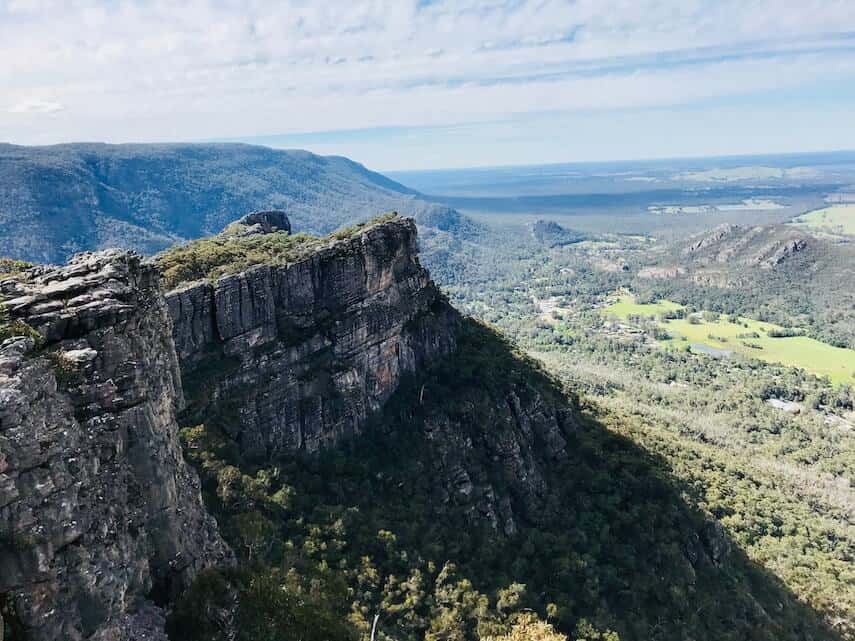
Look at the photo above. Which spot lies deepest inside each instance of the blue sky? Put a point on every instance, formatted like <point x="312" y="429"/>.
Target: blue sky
<point x="413" y="85"/>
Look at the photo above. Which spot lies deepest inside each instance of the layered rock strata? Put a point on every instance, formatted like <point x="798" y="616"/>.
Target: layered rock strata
<point x="295" y="357"/>
<point x="101" y="520"/>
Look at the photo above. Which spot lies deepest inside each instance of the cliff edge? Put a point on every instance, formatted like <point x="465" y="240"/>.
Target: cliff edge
<point x="296" y="356"/>
<point x="101" y="520"/>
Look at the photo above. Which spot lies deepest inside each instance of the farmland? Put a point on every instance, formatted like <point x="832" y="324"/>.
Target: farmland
<point x="837" y="219"/>
<point x="750" y="338"/>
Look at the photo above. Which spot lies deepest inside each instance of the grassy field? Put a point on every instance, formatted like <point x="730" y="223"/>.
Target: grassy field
<point x="747" y="337"/>
<point x="625" y="306"/>
<point x="837" y="219"/>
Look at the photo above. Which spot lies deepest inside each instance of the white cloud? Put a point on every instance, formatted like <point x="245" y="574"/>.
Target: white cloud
<point x="36" y="106"/>
<point x="158" y="69"/>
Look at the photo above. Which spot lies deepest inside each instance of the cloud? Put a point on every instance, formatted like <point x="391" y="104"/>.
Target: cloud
<point x="156" y="69"/>
<point x="36" y="106"/>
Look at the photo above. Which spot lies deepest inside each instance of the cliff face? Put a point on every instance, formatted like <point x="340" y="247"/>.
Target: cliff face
<point x="295" y="357"/>
<point x="101" y="520"/>
<point x="490" y="457"/>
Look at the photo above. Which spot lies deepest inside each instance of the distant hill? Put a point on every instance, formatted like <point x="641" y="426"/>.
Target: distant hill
<point x="551" y="234"/>
<point x="58" y="200"/>
<point x="772" y="272"/>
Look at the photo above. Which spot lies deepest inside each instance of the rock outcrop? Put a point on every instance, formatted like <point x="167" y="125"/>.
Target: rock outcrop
<point x="516" y="438"/>
<point x="101" y="520"/>
<point x="297" y="356"/>
<point x="710" y="239"/>
<point x="263" y="222"/>
<point x="776" y="253"/>
<point x="551" y="234"/>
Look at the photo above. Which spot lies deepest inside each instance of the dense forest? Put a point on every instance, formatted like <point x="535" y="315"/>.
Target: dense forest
<point x="620" y="546"/>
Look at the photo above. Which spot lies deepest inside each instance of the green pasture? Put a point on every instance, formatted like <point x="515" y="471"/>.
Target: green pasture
<point x="837" y="219"/>
<point x="743" y="336"/>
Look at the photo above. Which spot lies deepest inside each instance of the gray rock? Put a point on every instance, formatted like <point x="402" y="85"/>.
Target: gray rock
<point x="715" y="540"/>
<point x="98" y="510"/>
<point x="515" y="438"/>
<point x="296" y="357"/>
<point x="266" y="222"/>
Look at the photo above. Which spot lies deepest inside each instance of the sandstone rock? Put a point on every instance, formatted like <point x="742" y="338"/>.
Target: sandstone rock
<point x="516" y="437"/>
<point x="261" y="222"/>
<point x="296" y="357"/>
<point x="715" y="236"/>
<point x="774" y="255"/>
<point x="99" y="514"/>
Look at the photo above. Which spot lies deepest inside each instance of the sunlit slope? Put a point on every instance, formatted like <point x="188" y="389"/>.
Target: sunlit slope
<point x="751" y="338"/>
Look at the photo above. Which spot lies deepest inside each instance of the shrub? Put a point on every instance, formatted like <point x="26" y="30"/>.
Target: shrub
<point x="10" y="328"/>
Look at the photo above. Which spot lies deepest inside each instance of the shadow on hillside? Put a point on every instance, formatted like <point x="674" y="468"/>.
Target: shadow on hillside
<point x="612" y="539"/>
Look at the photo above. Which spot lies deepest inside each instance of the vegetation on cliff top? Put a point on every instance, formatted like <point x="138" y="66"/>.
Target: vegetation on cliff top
<point x="9" y="327"/>
<point x="230" y="253"/>
<point x="10" y="266"/>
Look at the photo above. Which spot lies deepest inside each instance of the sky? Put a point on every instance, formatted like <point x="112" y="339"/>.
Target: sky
<point x="401" y="85"/>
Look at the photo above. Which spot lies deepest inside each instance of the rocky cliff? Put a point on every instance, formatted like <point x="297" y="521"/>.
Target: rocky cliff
<point x="101" y="520"/>
<point x="489" y="457"/>
<point x="296" y="356"/>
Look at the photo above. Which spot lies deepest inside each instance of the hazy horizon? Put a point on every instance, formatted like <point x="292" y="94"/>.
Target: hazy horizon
<point x="557" y="163"/>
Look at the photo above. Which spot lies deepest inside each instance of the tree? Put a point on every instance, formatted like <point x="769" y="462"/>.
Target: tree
<point x="255" y="532"/>
<point x="527" y="627"/>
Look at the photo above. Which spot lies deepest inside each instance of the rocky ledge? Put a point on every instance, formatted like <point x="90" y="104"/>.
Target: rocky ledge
<point x="101" y="520"/>
<point x="297" y="356"/>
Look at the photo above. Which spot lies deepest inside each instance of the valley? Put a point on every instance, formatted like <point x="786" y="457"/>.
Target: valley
<point x="615" y="432"/>
<point x="708" y="332"/>
<point x="427" y="320"/>
<point x="692" y="341"/>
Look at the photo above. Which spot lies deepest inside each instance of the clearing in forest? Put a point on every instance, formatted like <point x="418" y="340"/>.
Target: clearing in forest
<point x="751" y="338"/>
<point x="837" y="219"/>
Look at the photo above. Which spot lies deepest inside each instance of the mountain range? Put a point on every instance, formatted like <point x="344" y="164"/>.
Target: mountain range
<point x="59" y="200"/>
<point x="286" y="429"/>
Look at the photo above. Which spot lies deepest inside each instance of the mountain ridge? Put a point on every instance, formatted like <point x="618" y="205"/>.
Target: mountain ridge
<point x="61" y="199"/>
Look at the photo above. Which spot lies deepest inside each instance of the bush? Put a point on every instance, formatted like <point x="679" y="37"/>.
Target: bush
<point x="10" y="328"/>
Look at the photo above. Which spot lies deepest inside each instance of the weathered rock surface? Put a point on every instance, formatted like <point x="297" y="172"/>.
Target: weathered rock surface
<point x="101" y="520"/>
<point x="766" y="247"/>
<point x="295" y="357"/>
<point x="711" y="238"/>
<point x="263" y="222"/>
<point x="776" y="253"/>
<point x="515" y="438"/>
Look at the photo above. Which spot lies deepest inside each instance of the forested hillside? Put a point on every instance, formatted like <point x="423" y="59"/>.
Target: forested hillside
<point x="696" y="379"/>
<point x="58" y="200"/>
